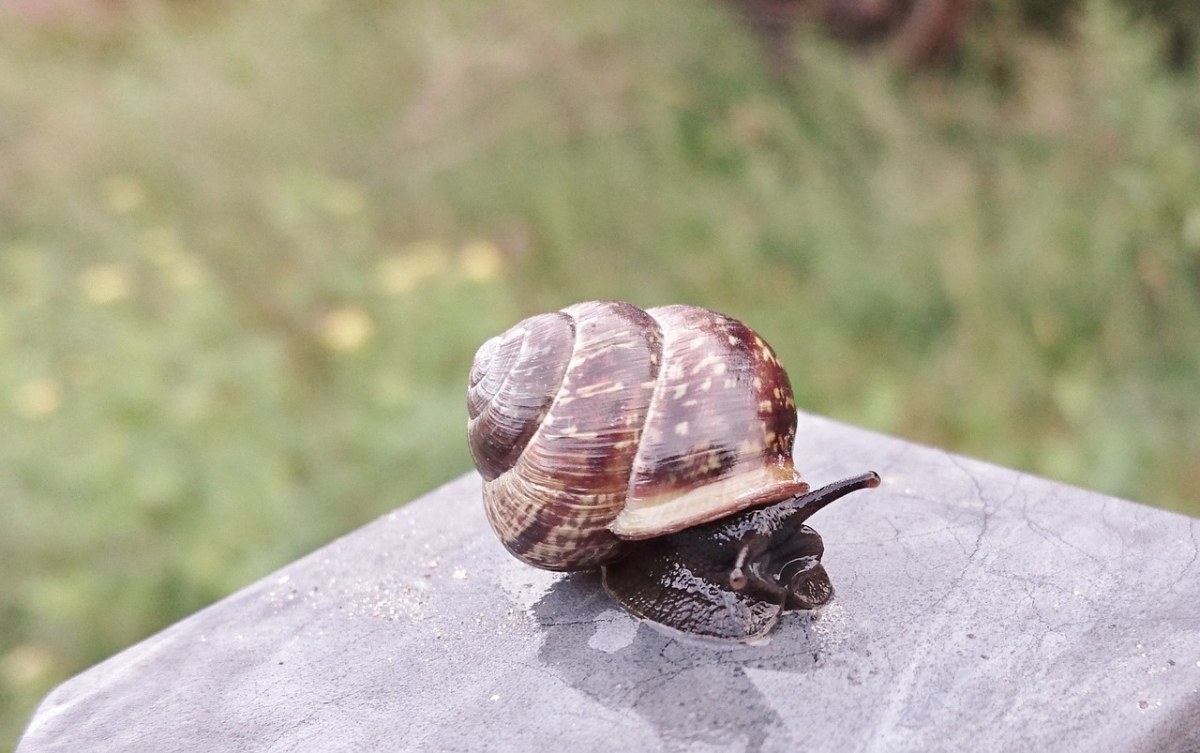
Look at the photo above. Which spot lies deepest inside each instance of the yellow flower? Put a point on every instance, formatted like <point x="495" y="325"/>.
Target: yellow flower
<point x="193" y="403"/>
<point x="480" y="261"/>
<point x="105" y="284"/>
<point x="161" y="244"/>
<point x="123" y="194"/>
<point x="25" y="665"/>
<point x="347" y="328"/>
<point x="344" y="198"/>
<point x="182" y="268"/>
<point x="38" y="398"/>
<point x="1191" y="228"/>
<point x="412" y="266"/>
<point x="185" y="270"/>
<point x="82" y="369"/>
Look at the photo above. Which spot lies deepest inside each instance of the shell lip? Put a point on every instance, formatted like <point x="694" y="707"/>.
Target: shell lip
<point x="650" y="518"/>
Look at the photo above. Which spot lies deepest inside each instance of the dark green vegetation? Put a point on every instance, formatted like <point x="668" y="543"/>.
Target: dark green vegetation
<point x="246" y="256"/>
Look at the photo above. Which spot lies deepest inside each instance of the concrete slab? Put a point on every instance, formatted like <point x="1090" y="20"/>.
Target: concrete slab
<point x="976" y="609"/>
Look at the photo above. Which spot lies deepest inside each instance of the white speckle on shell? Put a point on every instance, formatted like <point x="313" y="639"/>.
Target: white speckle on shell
<point x="601" y="388"/>
<point x="709" y="360"/>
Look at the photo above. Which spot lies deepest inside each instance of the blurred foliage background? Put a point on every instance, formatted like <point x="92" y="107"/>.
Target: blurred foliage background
<point x="247" y="251"/>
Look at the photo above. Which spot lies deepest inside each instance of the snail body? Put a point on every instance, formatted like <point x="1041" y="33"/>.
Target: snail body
<point x="657" y="445"/>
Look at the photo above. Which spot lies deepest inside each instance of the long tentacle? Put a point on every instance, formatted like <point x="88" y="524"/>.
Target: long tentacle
<point x="801" y="508"/>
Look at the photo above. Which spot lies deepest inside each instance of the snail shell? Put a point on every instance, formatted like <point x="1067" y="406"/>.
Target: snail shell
<point x="585" y="425"/>
<point x="604" y="425"/>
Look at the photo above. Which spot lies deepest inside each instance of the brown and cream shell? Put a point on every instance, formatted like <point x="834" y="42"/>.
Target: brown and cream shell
<point x="603" y="423"/>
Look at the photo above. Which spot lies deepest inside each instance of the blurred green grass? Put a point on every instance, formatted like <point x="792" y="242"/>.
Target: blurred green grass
<point x="247" y="252"/>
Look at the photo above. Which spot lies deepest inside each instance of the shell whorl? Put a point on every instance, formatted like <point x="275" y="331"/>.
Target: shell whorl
<point x="513" y="382"/>
<point x="605" y="422"/>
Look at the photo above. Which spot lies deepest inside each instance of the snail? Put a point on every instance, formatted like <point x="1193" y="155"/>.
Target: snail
<point x="656" y="445"/>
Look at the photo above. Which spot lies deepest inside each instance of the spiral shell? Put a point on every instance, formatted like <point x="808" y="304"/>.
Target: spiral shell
<point x="603" y="422"/>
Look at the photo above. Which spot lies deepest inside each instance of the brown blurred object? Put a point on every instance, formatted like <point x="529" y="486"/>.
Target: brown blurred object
<point x="917" y="33"/>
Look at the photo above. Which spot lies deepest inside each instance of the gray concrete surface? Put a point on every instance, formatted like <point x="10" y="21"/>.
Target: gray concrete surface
<point x="976" y="609"/>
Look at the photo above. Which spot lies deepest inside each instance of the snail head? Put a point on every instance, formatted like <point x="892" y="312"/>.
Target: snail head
<point x="775" y="556"/>
<point x="731" y="578"/>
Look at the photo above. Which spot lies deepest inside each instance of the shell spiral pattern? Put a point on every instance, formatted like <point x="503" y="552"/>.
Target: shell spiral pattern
<point x="605" y="422"/>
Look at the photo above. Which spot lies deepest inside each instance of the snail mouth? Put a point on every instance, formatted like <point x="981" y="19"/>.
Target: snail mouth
<point x="644" y="518"/>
